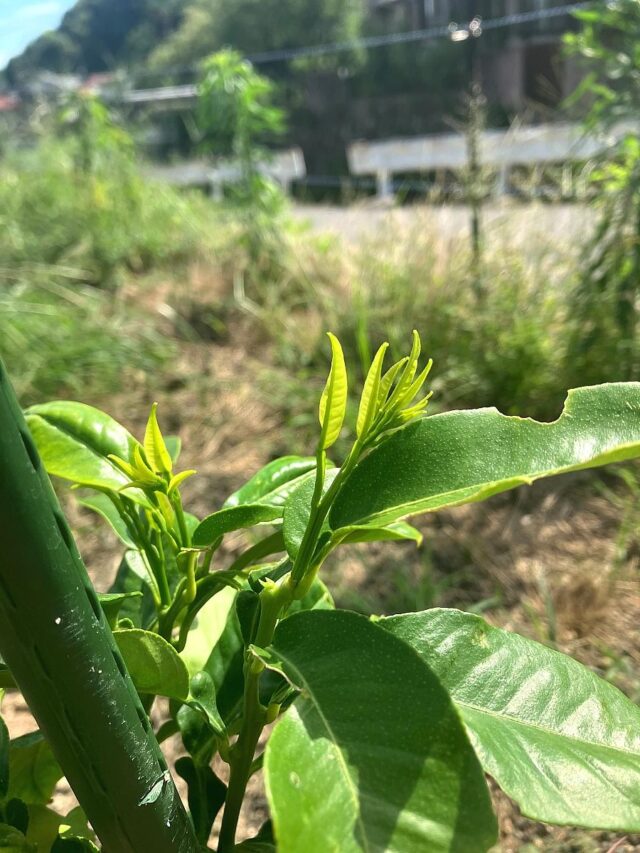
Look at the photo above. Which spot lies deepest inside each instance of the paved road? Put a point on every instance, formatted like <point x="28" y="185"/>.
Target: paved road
<point x="519" y="224"/>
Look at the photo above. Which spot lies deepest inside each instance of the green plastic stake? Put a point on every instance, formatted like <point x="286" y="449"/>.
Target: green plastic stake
<point x="57" y="643"/>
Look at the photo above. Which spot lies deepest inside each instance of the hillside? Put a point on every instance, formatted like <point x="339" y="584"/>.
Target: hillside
<point x="98" y="35"/>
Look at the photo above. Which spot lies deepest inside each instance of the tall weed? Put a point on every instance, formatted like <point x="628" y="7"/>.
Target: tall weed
<point x="102" y="223"/>
<point x="62" y="339"/>
<point x="501" y="344"/>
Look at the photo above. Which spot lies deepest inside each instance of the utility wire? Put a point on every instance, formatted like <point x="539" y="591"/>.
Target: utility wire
<point x="413" y="35"/>
<point x="369" y="42"/>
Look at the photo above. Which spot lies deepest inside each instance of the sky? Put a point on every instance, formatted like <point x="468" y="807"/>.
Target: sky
<point x="21" y="21"/>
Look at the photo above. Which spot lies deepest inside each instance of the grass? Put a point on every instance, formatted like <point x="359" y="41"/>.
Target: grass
<point x="103" y="222"/>
<point x="67" y="339"/>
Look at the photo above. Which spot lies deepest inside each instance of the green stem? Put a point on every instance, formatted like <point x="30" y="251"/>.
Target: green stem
<point x="319" y="510"/>
<point x="156" y="559"/>
<point x="241" y="759"/>
<point x="273" y="599"/>
<point x="208" y="586"/>
<point x="168" y="618"/>
<point x="182" y="522"/>
<point x="145" y="547"/>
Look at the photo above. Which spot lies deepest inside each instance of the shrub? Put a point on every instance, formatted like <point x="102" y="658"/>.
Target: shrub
<point x="385" y="726"/>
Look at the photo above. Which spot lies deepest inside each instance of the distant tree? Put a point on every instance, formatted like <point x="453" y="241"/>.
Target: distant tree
<point x="235" y="107"/>
<point x="253" y="26"/>
<point x="97" y="35"/>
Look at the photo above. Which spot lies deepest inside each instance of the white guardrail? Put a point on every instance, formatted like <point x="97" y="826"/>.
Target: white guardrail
<point x="283" y="167"/>
<point x="537" y="145"/>
<point x="499" y="149"/>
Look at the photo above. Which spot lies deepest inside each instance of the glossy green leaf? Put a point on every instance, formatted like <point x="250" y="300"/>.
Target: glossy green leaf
<point x="397" y="531"/>
<point x="113" y="602"/>
<point x="198" y="738"/>
<point x="207" y="630"/>
<point x="206" y="795"/>
<point x="232" y="518"/>
<point x="33" y="771"/>
<point x="153" y="664"/>
<point x="389" y="378"/>
<point x="399" y="394"/>
<point x="158" y="455"/>
<point x="370" y="392"/>
<point x="465" y="456"/>
<point x="372" y="755"/>
<point x="75" y="823"/>
<point x="203" y="698"/>
<point x="333" y="403"/>
<point x="44" y="826"/>
<point x="4" y="759"/>
<point x="178" y="479"/>
<point x="214" y="644"/>
<point x="103" y="505"/>
<point x="74" y="441"/>
<point x="297" y="511"/>
<point x="564" y="744"/>
<point x="273" y="483"/>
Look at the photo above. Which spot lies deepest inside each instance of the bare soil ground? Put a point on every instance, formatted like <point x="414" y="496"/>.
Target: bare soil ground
<point x="549" y="561"/>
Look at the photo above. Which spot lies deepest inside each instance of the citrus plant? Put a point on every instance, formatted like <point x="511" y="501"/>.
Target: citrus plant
<point x="384" y="727"/>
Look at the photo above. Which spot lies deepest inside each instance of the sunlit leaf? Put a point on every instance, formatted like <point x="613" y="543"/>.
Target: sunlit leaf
<point x="155" y="448"/>
<point x="75" y="441"/>
<point x="104" y="506"/>
<point x="370" y="393"/>
<point x="33" y="771"/>
<point x="459" y="457"/>
<point x="372" y="755"/>
<point x="233" y="518"/>
<point x="333" y="403"/>
<point x="564" y="744"/>
<point x="153" y="664"/>
<point x="273" y="483"/>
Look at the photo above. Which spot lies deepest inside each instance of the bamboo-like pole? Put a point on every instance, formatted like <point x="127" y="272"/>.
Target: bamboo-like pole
<point x="58" y="646"/>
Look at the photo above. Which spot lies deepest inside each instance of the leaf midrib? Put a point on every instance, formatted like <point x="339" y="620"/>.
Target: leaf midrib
<point x="598" y="459"/>
<point x="545" y="729"/>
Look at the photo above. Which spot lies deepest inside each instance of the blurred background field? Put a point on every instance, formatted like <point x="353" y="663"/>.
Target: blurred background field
<point x="118" y="289"/>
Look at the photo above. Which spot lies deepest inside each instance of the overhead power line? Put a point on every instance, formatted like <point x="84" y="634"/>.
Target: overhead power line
<point x="445" y="30"/>
<point x="370" y="42"/>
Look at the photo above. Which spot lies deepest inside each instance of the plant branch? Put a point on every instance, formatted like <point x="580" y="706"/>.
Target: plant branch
<point x="273" y="598"/>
